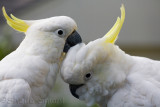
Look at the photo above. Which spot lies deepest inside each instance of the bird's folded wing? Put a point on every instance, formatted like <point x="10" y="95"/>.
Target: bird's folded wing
<point x="14" y="93"/>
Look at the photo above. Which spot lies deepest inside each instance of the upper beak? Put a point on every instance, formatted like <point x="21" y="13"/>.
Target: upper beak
<point x="73" y="89"/>
<point x="72" y="40"/>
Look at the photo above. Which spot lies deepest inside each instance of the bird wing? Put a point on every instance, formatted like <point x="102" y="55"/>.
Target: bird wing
<point x="18" y="75"/>
<point x="146" y="93"/>
<point x="14" y="93"/>
<point x="142" y="87"/>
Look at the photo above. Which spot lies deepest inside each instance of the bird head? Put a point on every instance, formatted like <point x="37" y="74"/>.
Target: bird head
<point x="84" y="67"/>
<point x="59" y="29"/>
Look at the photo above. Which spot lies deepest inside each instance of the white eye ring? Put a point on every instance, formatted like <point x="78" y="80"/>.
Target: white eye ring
<point x="60" y="32"/>
<point x="88" y="76"/>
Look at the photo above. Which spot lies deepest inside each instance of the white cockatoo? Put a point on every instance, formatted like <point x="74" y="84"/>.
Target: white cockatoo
<point x="28" y="74"/>
<point x="100" y="72"/>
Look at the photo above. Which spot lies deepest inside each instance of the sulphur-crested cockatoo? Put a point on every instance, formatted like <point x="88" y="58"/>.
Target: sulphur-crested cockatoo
<point x="100" y="72"/>
<point x="28" y="74"/>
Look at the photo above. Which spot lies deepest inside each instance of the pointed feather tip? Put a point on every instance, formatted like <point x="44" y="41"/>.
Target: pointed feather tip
<point x="112" y="35"/>
<point x="122" y="5"/>
<point x="3" y="8"/>
<point x="15" y="18"/>
<point x="5" y="13"/>
<point x="122" y="9"/>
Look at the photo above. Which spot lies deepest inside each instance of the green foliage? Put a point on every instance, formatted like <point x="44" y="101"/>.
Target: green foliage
<point x="67" y="104"/>
<point x="6" y="45"/>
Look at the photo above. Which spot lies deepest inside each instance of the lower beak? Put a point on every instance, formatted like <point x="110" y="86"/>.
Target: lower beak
<point x="72" y="40"/>
<point x="73" y="89"/>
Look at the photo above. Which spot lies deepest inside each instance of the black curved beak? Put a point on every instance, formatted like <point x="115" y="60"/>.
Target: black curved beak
<point x="72" y="40"/>
<point x="73" y="89"/>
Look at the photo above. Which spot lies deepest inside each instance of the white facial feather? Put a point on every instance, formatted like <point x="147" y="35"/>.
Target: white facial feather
<point x="54" y="23"/>
<point x="82" y="59"/>
<point x="42" y="37"/>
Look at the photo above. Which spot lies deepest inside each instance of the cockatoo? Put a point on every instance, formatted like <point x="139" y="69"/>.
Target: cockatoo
<point x="100" y="72"/>
<point x="28" y="74"/>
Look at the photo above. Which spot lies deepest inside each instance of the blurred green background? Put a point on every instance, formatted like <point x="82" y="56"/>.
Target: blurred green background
<point x="140" y="34"/>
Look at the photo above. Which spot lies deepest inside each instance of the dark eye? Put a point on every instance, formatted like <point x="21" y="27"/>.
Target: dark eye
<point x="60" y="32"/>
<point x="88" y="76"/>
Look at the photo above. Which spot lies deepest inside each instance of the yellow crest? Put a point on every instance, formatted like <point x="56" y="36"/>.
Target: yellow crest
<point x="15" y="23"/>
<point x="112" y="35"/>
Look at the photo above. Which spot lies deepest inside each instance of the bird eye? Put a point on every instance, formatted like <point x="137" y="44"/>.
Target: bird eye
<point x="60" y="32"/>
<point x="88" y="76"/>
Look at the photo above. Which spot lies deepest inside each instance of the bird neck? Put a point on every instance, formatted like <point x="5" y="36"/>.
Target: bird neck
<point x="116" y="68"/>
<point x="119" y="59"/>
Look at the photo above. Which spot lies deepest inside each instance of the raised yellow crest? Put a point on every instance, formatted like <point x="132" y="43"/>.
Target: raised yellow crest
<point x="15" y="23"/>
<point x="112" y="35"/>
